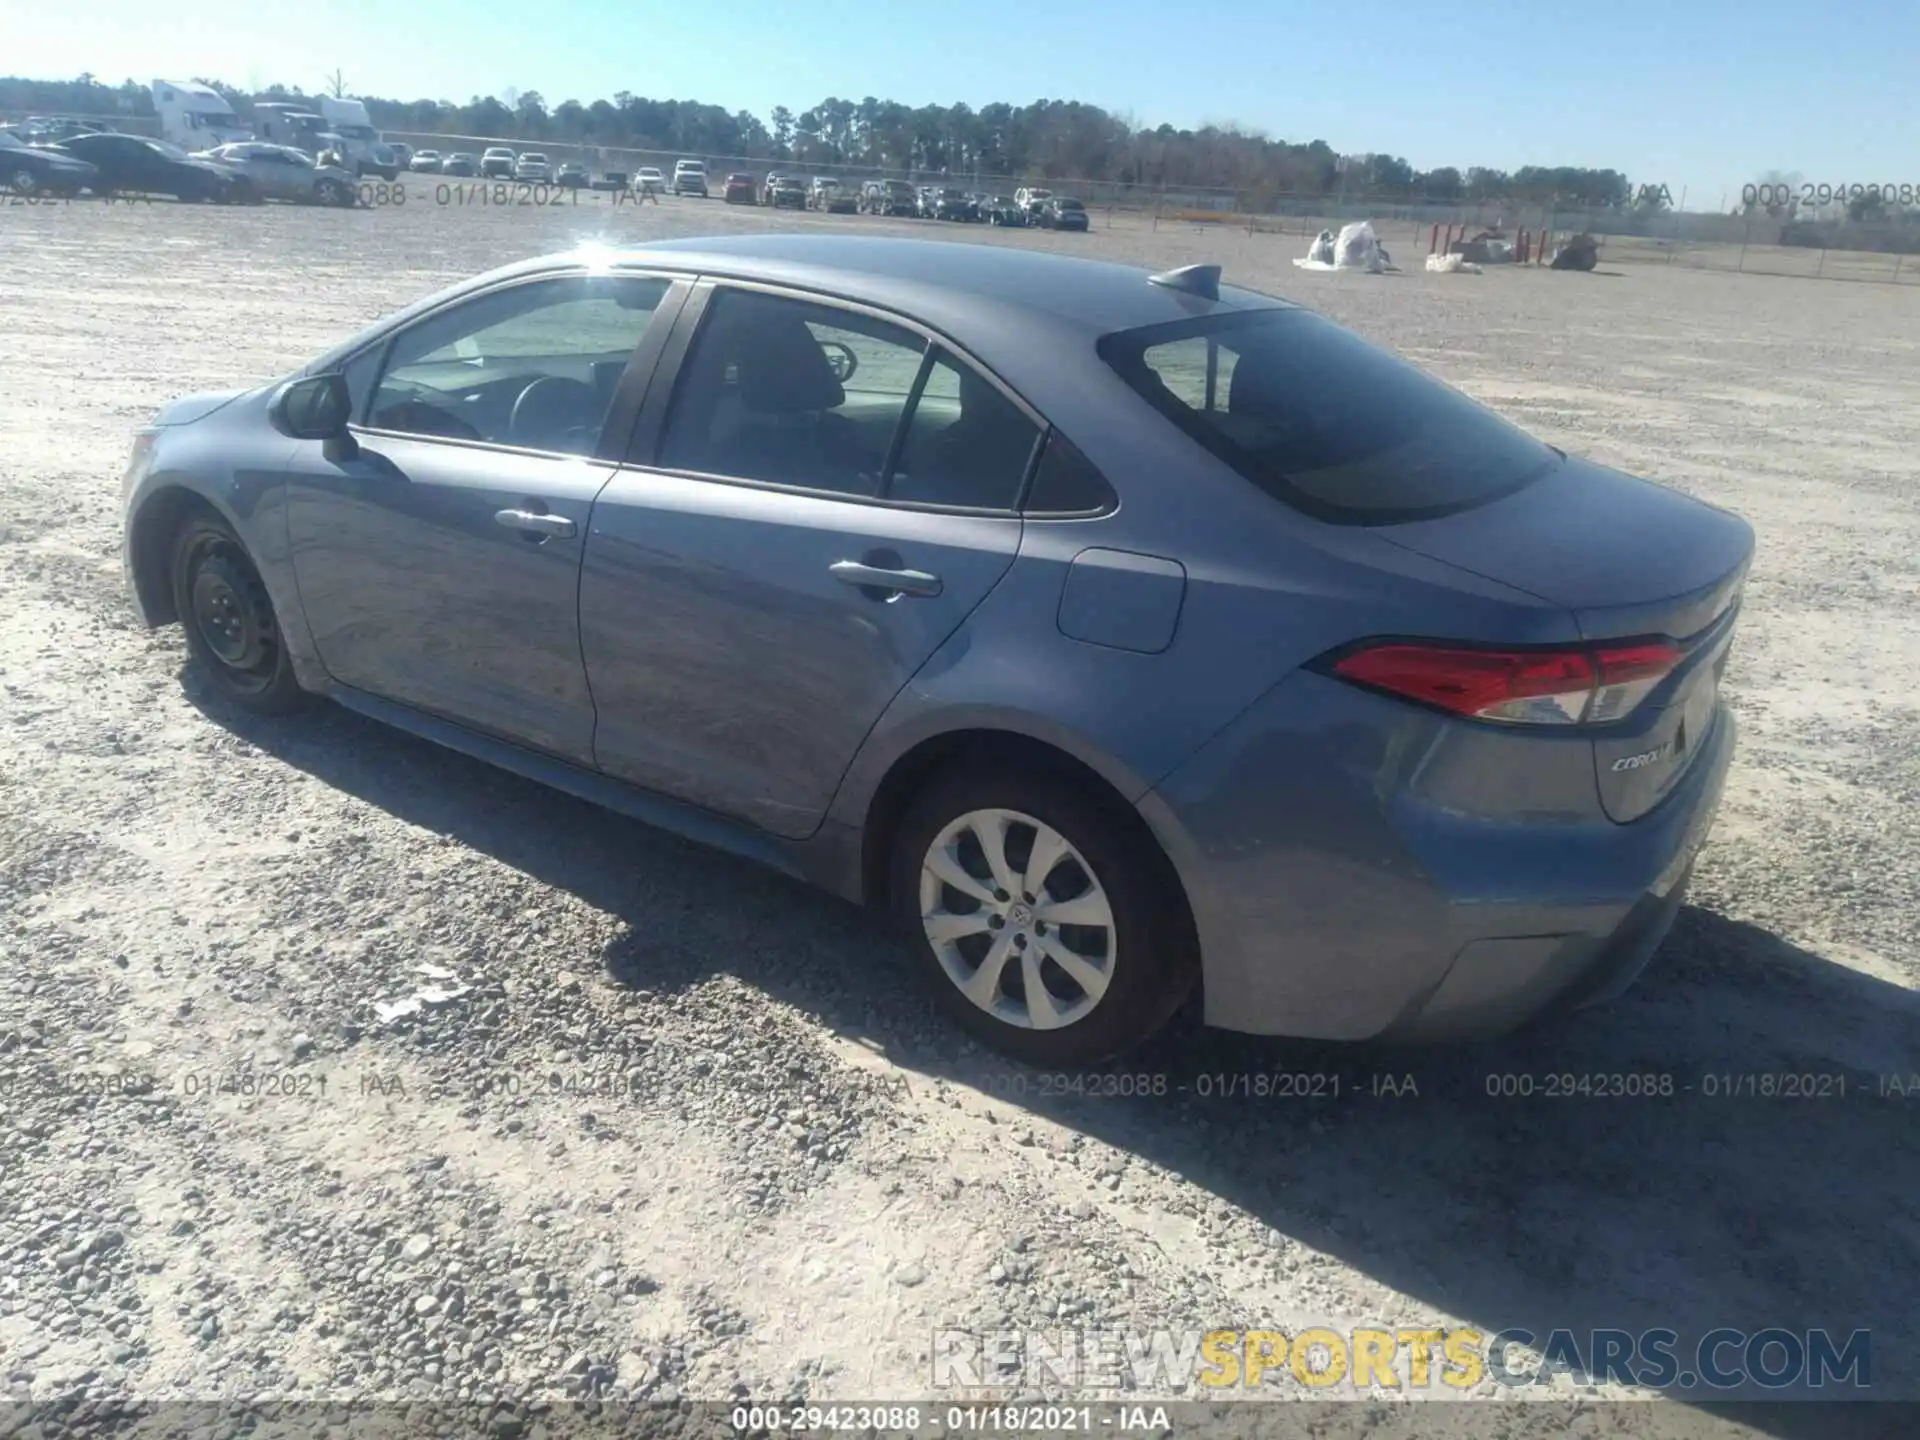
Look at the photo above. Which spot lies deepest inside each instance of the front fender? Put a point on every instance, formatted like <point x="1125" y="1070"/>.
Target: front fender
<point x="236" y="468"/>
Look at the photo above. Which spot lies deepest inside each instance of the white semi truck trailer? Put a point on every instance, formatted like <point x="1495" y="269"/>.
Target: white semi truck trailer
<point x="196" y="117"/>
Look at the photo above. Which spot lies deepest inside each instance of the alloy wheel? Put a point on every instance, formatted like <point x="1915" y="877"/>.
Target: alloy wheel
<point x="1017" y="919"/>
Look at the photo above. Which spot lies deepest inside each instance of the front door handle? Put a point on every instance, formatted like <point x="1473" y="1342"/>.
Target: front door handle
<point x="873" y="577"/>
<point x="534" y="522"/>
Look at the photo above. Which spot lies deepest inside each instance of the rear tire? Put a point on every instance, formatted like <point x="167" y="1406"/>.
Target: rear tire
<point x="1107" y="978"/>
<point x="229" y="620"/>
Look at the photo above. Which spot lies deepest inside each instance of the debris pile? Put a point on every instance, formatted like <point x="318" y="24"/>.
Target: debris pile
<point x="1582" y="252"/>
<point x="1357" y="248"/>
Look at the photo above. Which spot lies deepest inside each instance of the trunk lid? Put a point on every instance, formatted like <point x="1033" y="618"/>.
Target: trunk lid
<point x="1627" y="556"/>
<point x="1630" y="559"/>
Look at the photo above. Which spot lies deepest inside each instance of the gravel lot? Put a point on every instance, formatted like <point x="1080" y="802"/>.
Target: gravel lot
<point x="690" y="1131"/>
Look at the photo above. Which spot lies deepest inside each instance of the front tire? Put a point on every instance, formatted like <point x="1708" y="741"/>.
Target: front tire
<point x="1046" y="922"/>
<point x="24" y="182"/>
<point x="229" y="620"/>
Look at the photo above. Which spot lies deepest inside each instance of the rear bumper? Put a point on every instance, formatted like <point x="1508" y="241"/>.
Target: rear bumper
<point x="1335" y="900"/>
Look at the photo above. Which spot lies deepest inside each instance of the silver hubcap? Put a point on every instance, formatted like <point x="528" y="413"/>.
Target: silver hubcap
<point x="1017" y="919"/>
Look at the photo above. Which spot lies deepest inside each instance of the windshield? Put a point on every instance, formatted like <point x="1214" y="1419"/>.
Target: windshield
<point x="1323" y="420"/>
<point x="358" y="132"/>
<point x="8" y="141"/>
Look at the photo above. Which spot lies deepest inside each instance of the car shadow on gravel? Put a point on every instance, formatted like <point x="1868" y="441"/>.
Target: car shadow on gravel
<point x="1768" y="1180"/>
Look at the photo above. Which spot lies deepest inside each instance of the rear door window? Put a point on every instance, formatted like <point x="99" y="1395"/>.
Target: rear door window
<point x="966" y="443"/>
<point x="786" y="391"/>
<point x="790" y="392"/>
<point x="1323" y="420"/>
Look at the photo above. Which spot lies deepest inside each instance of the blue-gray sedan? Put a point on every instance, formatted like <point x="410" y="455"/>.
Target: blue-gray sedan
<point x="1118" y="633"/>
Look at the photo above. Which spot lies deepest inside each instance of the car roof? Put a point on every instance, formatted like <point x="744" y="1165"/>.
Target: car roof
<point x="1016" y="310"/>
<point x="965" y="289"/>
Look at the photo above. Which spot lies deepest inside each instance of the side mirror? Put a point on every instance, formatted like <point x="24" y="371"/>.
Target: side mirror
<point x="316" y="407"/>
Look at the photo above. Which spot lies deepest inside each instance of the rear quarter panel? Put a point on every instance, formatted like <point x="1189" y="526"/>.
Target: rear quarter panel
<point x="1267" y="590"/>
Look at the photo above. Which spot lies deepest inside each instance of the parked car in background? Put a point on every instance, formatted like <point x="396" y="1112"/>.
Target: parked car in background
<point x="572" y="175"/>
<point x="690" y="178"/>
<point x="615" y="180"/>
<point x="280" y="172"/>
<point x="950" y="203"/>
<point x="428" y="161"/>
<point x="29" y="170"/>
<point x="1030" y="198"/>
<point x="739" y="190"/>
<point x="649" y="181"/>
<point x="789" y="193"/>
<point x="888" y="197"/>
<point x="39" y="130"/>
<point x="1449" y="734"/>
<point x="496" y="162"/>
<point x="139" y="165"/>
<point x="1003" y="210"/>
<point x="977" y="204"/>
<point x="925" y="198"/>
<point x="1063" y="212"/>
<point x="533" y="167"/>
<point x="461" y="162"/>
<point x="833" y="196"/>
<point x="402" y="154"/>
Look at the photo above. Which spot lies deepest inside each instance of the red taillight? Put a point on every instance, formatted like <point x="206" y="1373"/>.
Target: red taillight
<point x="1515" y="687"/>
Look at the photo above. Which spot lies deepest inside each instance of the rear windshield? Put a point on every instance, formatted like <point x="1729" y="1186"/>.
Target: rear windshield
<point x="1324" y="421"/>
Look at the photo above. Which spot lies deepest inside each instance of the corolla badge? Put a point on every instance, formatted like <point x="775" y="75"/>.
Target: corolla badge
<point x="1644" y="758"/>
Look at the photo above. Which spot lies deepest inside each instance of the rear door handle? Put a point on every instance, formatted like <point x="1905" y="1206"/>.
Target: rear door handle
<point x="872" y="577"/>
<point x="534" y="522"/>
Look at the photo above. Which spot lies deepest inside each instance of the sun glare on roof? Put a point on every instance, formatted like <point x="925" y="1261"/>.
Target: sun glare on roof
<point x="597" y="255"/>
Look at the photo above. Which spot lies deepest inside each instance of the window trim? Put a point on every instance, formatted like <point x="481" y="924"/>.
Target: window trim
<point x="628" y="394"/>
<point x="690" y="325"/>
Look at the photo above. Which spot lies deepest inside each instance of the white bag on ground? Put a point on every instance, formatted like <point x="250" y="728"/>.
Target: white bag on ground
<point x="1358" y="249"/>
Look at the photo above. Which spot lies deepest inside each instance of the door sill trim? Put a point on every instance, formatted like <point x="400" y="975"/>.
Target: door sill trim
<point x="690" y="822"/>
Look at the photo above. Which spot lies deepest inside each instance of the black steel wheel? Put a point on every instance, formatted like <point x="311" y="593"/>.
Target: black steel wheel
<point x="229" y="618"/>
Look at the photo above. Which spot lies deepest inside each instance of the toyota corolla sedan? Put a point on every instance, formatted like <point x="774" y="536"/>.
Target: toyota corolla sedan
<point x="1119" y="634"/>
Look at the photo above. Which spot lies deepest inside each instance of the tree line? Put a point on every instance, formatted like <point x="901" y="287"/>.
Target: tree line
<point x="1045" y="140"/>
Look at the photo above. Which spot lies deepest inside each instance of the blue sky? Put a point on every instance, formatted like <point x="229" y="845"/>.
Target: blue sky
<point x="1700" y="94"/>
